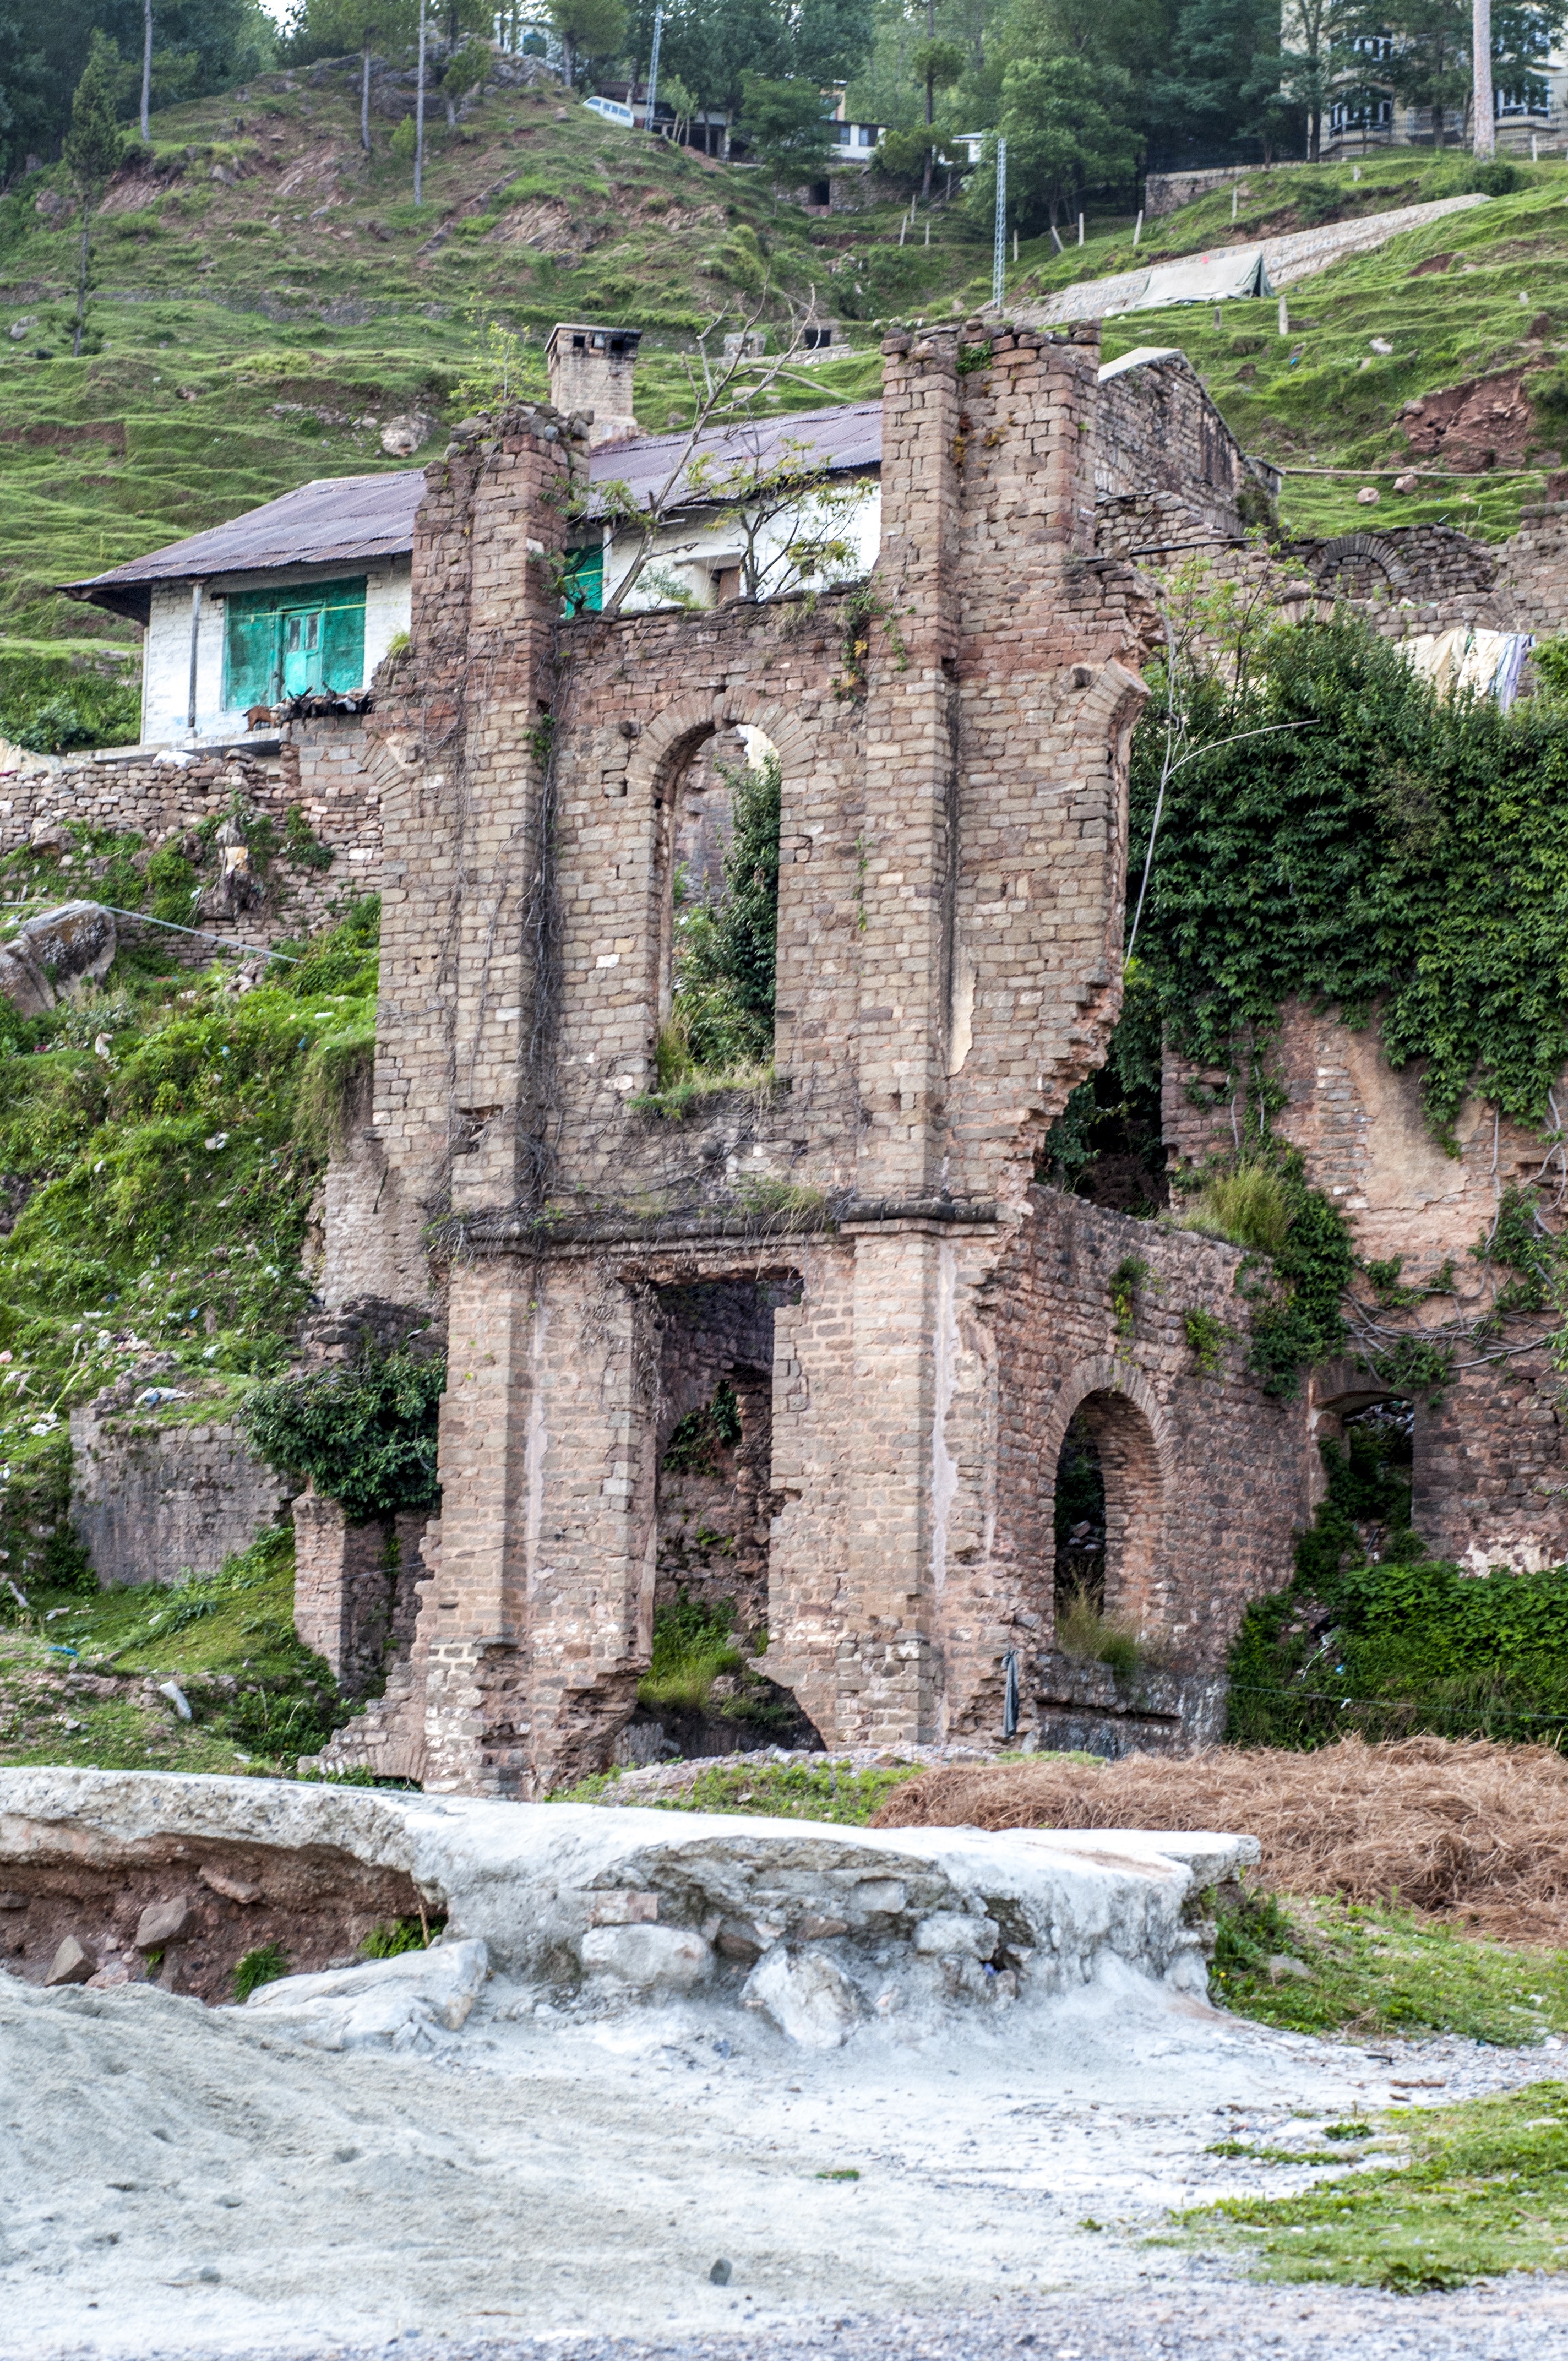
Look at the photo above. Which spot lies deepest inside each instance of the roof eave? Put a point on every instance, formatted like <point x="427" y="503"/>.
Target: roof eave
<point x="131" y="600"/>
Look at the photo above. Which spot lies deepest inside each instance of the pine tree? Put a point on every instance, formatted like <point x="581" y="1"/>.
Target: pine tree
<point x="93" y="149"/>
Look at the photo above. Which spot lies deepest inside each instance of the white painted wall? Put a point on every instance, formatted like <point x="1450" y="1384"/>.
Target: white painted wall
<point x="166" y="656"/>
<point x="690" y="553"/>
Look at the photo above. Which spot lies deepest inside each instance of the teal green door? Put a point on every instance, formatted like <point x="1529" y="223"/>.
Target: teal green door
<point x="303" y="639"/>
<point x="293" y="643"/>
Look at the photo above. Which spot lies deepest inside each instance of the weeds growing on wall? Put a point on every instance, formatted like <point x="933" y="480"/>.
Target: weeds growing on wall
<point x="1364" y="843"/>
<point x="1376" y="1635"/>
<point x="699" y="1440"/>
<point x="157" y="1183"/>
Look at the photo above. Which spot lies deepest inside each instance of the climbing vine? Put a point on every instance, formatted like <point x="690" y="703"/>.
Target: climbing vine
<point x="1336" y="831"/>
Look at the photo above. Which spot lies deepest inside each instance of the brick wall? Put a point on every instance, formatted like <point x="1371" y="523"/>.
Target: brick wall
<point x="1155" y="430"/>
<point x="317" y="769"/>
<point x="953" y="836"/>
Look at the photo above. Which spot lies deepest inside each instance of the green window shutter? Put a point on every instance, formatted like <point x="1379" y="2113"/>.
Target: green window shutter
<point x="342" y="635"/>
<point x="585" y="580"/>
<point x="285" y="643"/>
<point x="250" y="653"/>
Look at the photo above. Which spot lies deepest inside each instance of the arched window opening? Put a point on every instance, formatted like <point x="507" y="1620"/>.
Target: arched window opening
<point x="1080" y="1521"/>
<point x="1108" y="1516"/>
<point x="717" y="1028"/>
<point x="1107" y="1144"/>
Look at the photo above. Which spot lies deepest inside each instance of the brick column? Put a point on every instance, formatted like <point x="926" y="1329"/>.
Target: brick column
<point x="909" y="832"/>
<point x="460" y="769"/>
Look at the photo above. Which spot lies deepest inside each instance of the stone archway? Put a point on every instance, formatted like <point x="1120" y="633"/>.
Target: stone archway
<point x="1357" y="565"/>
<point x="1116" y="1410"/>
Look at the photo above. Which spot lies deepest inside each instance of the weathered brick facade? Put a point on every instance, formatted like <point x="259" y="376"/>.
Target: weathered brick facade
<point x="862" y="1239"/>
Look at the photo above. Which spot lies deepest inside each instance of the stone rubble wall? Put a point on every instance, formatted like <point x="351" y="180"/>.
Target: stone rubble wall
<point x="160" y="1503"/>
<point x="316" y="769"/>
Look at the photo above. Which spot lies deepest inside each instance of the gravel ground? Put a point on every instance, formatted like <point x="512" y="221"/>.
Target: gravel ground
<point x="1216" y="2320"/>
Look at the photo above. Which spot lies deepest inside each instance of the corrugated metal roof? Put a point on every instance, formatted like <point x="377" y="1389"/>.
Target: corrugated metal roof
<point x="337" y="518"/>
<point x="343" y="518"/>
<point x="843" y="439"/>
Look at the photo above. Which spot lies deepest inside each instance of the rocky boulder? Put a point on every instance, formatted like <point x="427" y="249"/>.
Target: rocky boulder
<point x="53" y="955"/>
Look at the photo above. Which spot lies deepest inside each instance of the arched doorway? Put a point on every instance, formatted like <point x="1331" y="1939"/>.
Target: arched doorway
<point x="1366" y="1453"/>
<point x="1109" y="1510"/>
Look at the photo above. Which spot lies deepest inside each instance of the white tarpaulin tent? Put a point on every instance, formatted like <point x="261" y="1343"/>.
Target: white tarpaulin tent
<point x="1218" y="278"/>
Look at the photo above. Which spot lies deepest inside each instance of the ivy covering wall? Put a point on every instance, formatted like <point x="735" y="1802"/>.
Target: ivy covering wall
<point x="1359" y="841"/>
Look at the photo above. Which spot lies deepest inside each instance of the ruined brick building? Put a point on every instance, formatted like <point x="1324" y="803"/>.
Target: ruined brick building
<point x="860" y="1248"/>
<point x="856" y="1250"/>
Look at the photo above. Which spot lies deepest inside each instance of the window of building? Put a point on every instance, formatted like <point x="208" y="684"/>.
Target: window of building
<point x="282" y="643"/>
<point x="584" y="585"/>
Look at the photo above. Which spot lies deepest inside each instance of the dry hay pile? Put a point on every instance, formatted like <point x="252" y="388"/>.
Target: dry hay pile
<point x="1463" y="1829"/>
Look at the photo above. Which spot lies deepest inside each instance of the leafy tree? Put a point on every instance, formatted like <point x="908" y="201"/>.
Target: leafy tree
<point x="199" y="45"/>
<point x="937" y="65"/>
<point x="786" y="126"/>
<point x="363" y="1433"/>
<point x="94" y="146"/>
<point x="712" y="45"/>
<point x="1223" y="68"/>
<point x="1420" y="52"/>
<point x="1067" y="125"/>
<point x="590" y="29"/>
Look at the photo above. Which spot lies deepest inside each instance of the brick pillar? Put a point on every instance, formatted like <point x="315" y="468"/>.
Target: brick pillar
<point x="460" y="771"/>
<point x="908" y="839"/>
<point x="886" y="1677"/>
<point x="345" y="1584"/>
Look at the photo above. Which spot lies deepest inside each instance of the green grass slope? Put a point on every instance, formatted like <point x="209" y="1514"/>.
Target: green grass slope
<point x="266" y="299"/>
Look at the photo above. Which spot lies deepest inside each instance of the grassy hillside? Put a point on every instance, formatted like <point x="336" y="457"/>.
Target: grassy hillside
<point x="266" y="299"/>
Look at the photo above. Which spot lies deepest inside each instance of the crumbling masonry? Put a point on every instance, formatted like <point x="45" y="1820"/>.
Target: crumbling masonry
<point x="862" y="1247"/>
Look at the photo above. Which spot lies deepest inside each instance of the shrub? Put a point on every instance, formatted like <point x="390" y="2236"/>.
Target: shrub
<point x="391" y="1939"/>
<point x="365" y="1433"/>
<point x="264" y="1965"/>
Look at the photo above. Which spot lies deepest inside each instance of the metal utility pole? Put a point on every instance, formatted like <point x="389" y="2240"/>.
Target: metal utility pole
<point x="419" y="112"/>
<point x="1481" y="77"/>
<point x="998" y="245"/>
<point x="653" y="69"/>
<point x="146" y="62"/>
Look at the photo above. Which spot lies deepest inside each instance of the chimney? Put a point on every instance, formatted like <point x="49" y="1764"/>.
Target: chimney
<point x="592" y="369"/>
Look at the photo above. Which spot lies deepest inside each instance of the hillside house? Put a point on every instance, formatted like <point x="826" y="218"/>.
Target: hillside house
<point x="296" y="603"/>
